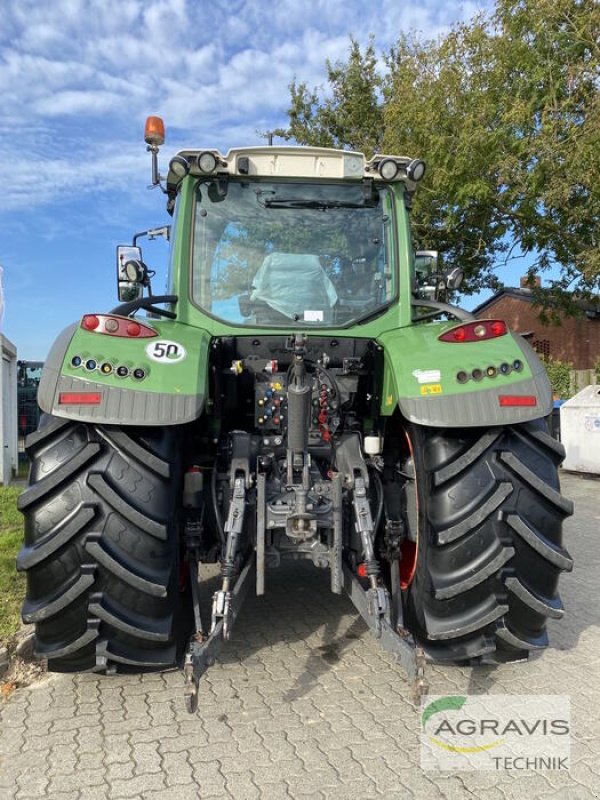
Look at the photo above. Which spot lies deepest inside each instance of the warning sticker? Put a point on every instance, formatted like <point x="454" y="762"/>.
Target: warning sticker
<point x="427" y="375"/>
<point x="431" y="388"/>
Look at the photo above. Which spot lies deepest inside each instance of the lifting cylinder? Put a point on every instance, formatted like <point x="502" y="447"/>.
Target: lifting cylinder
<point x="299" y="397"/>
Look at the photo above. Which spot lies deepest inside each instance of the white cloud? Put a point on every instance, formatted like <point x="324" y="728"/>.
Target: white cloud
<point x="78" y="77"/>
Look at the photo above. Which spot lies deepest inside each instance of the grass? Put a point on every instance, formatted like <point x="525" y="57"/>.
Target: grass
<point x="12" y="583"/>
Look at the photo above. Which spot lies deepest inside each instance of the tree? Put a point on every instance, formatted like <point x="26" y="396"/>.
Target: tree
<point x="505" y="111"/>
<point x="441" y="105"/>
<point x="548" y="57"/>
<point x="350" y="116"/>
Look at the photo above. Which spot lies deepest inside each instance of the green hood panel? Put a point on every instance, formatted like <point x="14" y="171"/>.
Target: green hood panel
<point x="164" y="377"/>
<point x="421" y="378"/>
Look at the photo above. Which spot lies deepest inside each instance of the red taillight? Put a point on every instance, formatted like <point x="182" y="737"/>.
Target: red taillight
<point x="90" y="322"/>
<point x="134" y="329"/>
<point x="115" y="325"/>
<point x="79" y="398"/>
<point x="475" y="331"/>
<point x="517" y="400"/>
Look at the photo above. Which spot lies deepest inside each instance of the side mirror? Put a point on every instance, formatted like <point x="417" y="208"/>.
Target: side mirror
<point x="426" y="262"/>
<point x="454" y="278"/>
<point x="132" y="275"/>
<point x="426" y="273"/>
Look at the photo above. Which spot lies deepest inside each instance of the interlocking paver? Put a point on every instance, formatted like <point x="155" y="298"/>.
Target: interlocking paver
<point x="188" y="792"/>
<point x="93" y="793"/>
<point x="72" y="781"/>
<point x="135" y="786"/>
<point x="120" y="771"/>
<point x="177" y="769"/>
<point x="302" y="703"/>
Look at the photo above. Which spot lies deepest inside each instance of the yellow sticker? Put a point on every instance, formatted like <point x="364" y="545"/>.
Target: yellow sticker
<point x="431" y="388"/>
<point x="389" y="400"/>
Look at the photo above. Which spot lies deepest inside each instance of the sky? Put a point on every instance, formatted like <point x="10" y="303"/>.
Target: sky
<point x="78" y="79"/>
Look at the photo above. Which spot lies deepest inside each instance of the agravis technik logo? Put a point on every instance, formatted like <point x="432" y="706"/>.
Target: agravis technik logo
<point x="494" y="732"/>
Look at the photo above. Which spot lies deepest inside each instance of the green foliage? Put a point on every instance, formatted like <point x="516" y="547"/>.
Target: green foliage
<point x="505" y="110"/>
<point x="12" y="584"/>
<point x="597" y="369"/>
<point x="548" y="55"/>
<point x="350" y="116"/>
<point x="559" y="373"/>
<point x="441" y="106"/>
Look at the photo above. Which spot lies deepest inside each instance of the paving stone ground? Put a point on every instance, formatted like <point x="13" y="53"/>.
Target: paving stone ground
<point x="302" y="704"/>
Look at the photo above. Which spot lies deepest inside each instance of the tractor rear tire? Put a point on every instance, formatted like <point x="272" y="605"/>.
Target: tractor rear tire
<point x="100" y="551"/>
<point x="489" y="549"/>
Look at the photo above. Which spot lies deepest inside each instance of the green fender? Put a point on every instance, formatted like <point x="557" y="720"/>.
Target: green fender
<point x="420" y="377"/>
<point x="162" y="381"/>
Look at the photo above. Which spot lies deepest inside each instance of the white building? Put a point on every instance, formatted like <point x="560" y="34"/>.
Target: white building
<point x="8" y="411"/>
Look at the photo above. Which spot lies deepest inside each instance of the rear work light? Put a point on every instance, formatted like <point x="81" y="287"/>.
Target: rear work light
<point x="475" y="331"/>
<point x="79" y="398"/>
<point x="517" y="400"/>
<point x="114" y="325"/>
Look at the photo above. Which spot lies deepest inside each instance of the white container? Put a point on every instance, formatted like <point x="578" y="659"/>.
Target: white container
<point x="580" y="431"/>
<point x="372" y="445"/>
<point x="8" y="410"/>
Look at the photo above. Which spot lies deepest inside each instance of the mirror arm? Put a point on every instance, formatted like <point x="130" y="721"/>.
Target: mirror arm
<point x="147" y="304"/>
<point x="441" y="308"/>
<point x="153" y="233"/>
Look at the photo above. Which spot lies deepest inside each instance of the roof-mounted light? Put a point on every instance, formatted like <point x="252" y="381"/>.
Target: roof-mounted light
<point x="388" y="169"/>
<point x="415" y="170"/>
<point x="179" y="166"/>
<point x="207" y="162"/>
<point x="154" y="132"/>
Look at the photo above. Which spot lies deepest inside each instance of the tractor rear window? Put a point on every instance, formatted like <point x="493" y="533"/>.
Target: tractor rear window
<point x="267" y="254"/>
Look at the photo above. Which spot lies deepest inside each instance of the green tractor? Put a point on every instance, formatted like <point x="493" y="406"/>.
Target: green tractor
<point x="303" y="392"/>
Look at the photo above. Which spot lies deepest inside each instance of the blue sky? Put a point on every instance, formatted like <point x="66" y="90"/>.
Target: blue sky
<point x="79" y="77"/>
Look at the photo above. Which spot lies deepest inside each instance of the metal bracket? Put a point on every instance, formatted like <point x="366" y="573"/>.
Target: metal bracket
<point x="261" y="502"/>
<point x="221" y="607"/>
<point x="243" y="456"/>
<point x="201" y="654"/>
<point x="221" y="611"/>
<point x="349" y="459"/>
<point x="235" y="518"/>
<point x="335" y="554"/>
<point x="399" y="642"/>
